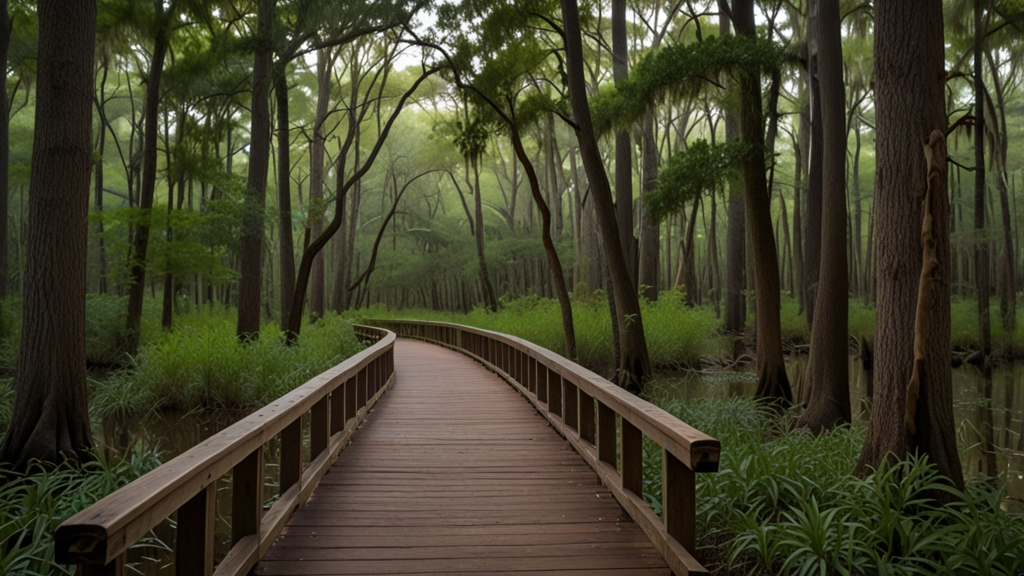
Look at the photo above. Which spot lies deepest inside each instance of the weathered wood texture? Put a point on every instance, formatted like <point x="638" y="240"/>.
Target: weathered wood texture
<point x="455" y="472"/>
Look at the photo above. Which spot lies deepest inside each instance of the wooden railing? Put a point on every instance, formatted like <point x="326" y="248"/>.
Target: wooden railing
<point x="586" y="409"/>
<point x="337" y="401"/>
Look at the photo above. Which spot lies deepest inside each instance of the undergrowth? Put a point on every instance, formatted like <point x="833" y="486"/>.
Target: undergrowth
<point x="39" y="500"/>
<point x="786" y="502"/>
<point x="201" y="364"/>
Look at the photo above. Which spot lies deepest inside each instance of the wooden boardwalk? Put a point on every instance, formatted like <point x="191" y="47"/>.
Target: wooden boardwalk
<point x="454" y="472"/>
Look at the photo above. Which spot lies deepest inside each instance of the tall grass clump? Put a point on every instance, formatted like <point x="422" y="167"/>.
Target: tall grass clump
<point x="786" y="502"/>
<point x="204" y="366"/>
<point x="39" y="500"/>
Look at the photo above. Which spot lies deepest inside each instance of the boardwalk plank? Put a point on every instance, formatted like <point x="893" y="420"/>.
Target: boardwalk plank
<point x="453" y="472"/>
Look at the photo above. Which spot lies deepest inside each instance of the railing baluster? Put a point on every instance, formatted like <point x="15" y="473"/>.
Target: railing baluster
<point x="679" y="504"/>
<point x="571" y="416"/>
<point x="350" y="398"/>
<point x="554" y="392"/>
<point x="338" y="409"/>
<point x="291" y="453"/>
<point x="531" y="378"/>
<point x="361" y="387"/>
<point x="632" y="458"/>
<point x="247" y="496"/>
<point x="606" y="434"/>
<point x="542" y="384"/>
<point x="319" y="428"/>
<point x="114" y="568"/>
<point x="586" y="417"/>
<point x="193" y="553"/>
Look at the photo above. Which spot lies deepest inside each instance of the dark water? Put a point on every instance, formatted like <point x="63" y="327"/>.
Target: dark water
<point x="989" y="420"/>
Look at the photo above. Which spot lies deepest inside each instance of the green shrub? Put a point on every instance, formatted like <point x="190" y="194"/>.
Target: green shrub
<point x="204" y="366"/>
<point x="36" y="502"/>
<point x="786" y="502"/>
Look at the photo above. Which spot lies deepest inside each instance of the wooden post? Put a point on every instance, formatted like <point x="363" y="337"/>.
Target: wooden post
<point x="350" y="398"/>
<point x="542" y="383"/>
<point x="606" y="434"/>
<point x="571" y="416"/>
<point x="319" y="434"/>
<point x="586" y="417"/>
<point x="632" y="458"/>
<point x="291" y="453"/>
<point x="679" y="501"/>
<point x="338" y="409"/>
<point x="361" y="387"/>
<point x="193" y="553"/>
<point x="247" y="496"/>
<point x="554" y="392"/>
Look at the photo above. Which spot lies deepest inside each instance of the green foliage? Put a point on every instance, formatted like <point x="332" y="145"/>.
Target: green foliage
<point x="681" y="68"/>
<point x="676" y="335"/>
<point x="36" y="502"/>
<point x="201" y="364"/>
<point x="786" y="502"/>
<point x="699" y="169"/>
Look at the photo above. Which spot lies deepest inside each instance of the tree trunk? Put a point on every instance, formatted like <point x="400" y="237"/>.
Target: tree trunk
<point x="316" y="180"/>
<point x="633" y="362"/>
<point x="250" y="284"/>
<point x="649" y="227"/>
<point x="1007" y="274"/>
<point x="549" y="246"/>
<point x="735" y="238"/>
<point x="812" y="219"/>
<point x="828" y="373"/>
<point x="50" y="420"/>
<point x="284" y="192"/>
<point x="623" y="146"/>
<point x="772" y="381"/>
<point x="490" y="300"/>
<point x="910" y="105"/>
<point x="5" y="153"/>
<point x="137" y="280"/>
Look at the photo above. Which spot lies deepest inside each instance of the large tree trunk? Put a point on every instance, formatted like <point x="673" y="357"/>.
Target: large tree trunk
<point x="828" y="373"/>
<point x="812" y="218"/>
<point x="623" y="146"/>
<point x="910" y="106"/>
<point x="51" y="418"/>
<point x="735" y="239"/>
<point x="284" y="192"/>
<point x="250" y="284"/>
<point x="633" y="362"/>
<point x="316" y="180"/>
<point x="137" y="280"/>
<point x="772" y="381"/>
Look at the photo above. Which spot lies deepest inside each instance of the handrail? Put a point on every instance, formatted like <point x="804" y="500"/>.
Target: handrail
<point x="338" y="400"/>
<point x="566" y="394"/>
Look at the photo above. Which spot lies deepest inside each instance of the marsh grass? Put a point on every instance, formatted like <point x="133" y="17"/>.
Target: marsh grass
<point x="786" y="502"/>
<point x="37" y="501"/>
<point x="202" y="365"/>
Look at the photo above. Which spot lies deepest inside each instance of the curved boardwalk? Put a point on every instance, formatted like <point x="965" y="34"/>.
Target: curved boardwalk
<point x="454" y="472"/>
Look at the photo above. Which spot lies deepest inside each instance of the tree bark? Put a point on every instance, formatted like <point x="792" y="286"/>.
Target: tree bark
<point x="137" y="290"/>
<point x="284" y="192"/>
<point x="735" y="239"/>
<point x="250" y="284"/>
<point x="316" y="179"/>
<point x="812" y="218"/>
<point x="772" y="381"/>
<point x="50" y="417"/>
<point x="5" y="150"/>
<point x="649" y="227"/>
<point x="910" y="105"/>
<point x="828" y="368"/>
<point x="633" y="362"/>
<point x="623" y="146"/>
